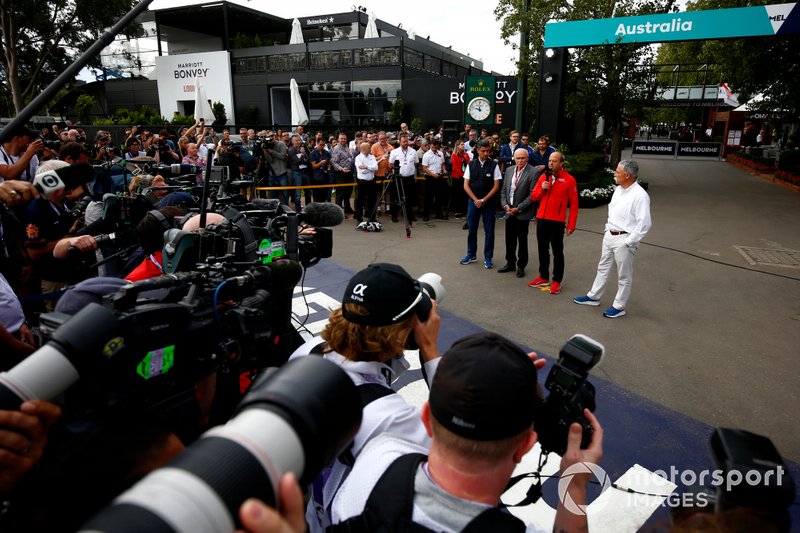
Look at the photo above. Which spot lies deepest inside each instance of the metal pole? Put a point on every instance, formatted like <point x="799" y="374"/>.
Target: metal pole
<point x="69" y="74"/>
<point x="522" y="81"/>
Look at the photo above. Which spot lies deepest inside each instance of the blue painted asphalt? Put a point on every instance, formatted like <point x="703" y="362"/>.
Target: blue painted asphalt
<point x="637" y="430"/>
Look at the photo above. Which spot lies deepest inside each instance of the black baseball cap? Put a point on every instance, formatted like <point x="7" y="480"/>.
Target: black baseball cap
<point x="388" y="293"/>
<point x="484" y="388"/>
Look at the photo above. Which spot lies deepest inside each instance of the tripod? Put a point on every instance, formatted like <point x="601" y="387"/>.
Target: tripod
<point x="400" y="198"/>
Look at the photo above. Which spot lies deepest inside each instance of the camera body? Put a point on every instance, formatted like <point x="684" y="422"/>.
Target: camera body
<point x="569" y="394"/>
<point x="263" y="143"/>
<point x="52" y="145"/>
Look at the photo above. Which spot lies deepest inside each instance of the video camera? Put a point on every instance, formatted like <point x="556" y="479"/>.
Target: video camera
<point x="255" y="233"/>
<point x="570" y="393"/>
<point x="148" y="353"/>
<point x="263" y="143"/>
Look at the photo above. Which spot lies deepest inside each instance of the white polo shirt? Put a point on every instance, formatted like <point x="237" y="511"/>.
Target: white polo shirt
<point x="408" y="159"/>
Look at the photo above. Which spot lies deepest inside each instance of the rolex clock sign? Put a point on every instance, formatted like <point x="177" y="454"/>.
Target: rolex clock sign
<point x="479" y="93"/>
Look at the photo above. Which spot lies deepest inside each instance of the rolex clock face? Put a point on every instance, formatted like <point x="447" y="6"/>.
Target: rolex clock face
<point x="479" y="109"/>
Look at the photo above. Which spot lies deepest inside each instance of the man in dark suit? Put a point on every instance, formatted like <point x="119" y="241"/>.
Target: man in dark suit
<point x="515" y="197"/>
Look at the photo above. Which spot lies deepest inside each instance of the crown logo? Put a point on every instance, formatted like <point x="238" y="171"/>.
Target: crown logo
<point x="480" y="83"/>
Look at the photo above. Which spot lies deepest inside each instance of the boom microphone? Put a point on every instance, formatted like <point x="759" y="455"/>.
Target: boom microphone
<point x="323" y="214"/>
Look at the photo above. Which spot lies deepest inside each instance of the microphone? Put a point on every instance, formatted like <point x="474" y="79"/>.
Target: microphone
<point x="323" y="214"/>
<point x="48" y="184"/>
<point x="73" y="251"/>
<point x="265" y="203"/>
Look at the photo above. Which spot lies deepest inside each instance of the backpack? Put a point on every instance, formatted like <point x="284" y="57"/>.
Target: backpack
<point x="390" y="506"/>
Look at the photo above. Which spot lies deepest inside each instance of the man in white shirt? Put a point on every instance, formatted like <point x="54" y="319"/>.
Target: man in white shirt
<point x="381" y="307"/>
<point x="436" y="193"/>
<point x="18" y="159"/>
<point x="480" y="416"/>
<point x="366" y="165"/>
<point x="628" y="223"/>
<point x="406" y="172"/>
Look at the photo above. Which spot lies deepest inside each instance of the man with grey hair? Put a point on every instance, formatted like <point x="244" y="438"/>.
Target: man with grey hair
<point x="628" y="223"/>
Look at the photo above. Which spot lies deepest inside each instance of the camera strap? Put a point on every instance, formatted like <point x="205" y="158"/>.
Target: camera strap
<point x="367" y="393"/>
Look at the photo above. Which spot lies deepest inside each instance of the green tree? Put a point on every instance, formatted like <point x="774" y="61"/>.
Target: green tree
<point x="220" y="116"/>
<point x="40" y="38"/>
<point x="612" y="80"/>
<point x="766" y="65"/>
<point x="417" y="126"/>
<point x="250" y="116"/>
<point x="396" y="114"/>
<point x="84" y="106"/>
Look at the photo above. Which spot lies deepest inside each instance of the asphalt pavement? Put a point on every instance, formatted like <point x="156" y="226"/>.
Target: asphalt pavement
<point x="707" y="334"/>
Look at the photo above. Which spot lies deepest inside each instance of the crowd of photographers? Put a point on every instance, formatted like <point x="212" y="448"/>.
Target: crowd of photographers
<point x="442" y="467"/>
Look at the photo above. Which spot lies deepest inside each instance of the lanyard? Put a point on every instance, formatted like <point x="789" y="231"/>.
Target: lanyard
<point x="55" y="208"/>
<point x="156" y="263"/>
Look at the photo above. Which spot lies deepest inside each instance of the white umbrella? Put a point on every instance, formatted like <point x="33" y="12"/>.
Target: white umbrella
<point x="297" y="33"/>
<point x="299" y="114"/>
<point x="202" y="109"/>
<point x="372" y="29"/>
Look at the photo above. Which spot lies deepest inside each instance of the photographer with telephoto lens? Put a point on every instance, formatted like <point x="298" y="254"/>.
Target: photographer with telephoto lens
<point x="481" y="418"/>
<point x="382" y="306"/>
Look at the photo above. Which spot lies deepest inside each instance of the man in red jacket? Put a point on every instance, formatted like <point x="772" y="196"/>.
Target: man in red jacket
<point x="555" y="191"/>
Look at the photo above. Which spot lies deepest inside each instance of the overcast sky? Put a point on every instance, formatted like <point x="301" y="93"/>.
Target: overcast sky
<point x="466" y="25"/>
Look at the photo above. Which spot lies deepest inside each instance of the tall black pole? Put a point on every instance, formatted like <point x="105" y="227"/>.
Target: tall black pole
<point x="69" y="74"/>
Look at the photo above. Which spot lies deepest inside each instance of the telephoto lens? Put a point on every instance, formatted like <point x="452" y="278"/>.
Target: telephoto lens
<point x="296" y="419"/>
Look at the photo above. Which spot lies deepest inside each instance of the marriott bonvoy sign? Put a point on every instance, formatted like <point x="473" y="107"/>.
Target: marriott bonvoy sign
<point x="177" y="74"/>
<point x="778" y="19"/>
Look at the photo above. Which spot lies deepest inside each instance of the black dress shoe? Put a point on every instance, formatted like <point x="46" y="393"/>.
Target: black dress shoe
<point x="465" y="226"/>
<point x="520" y="272"/>
<point x="506" y="268"/>
<point x="394" y="219"/>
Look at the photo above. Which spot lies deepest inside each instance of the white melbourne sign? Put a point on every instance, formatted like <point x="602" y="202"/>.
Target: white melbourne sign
<point x="176" y="76"/>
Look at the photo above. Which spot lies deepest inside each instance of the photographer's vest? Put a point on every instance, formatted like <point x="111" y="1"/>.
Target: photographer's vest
<point x="390" y="506"/>
<point x="481" y="178"/>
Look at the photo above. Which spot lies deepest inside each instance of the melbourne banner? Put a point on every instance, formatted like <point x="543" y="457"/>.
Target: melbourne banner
<point x="778" y="19"/>
<point x="699" y="149"/>
<point x="654" y="148"/>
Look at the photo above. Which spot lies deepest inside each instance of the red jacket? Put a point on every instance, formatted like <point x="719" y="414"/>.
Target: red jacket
<point x="553" y="202"/>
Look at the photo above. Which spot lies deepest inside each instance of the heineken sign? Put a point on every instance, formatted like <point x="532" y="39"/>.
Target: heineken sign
<point x="479" y="99"/>
<point x="778" y="19"/>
